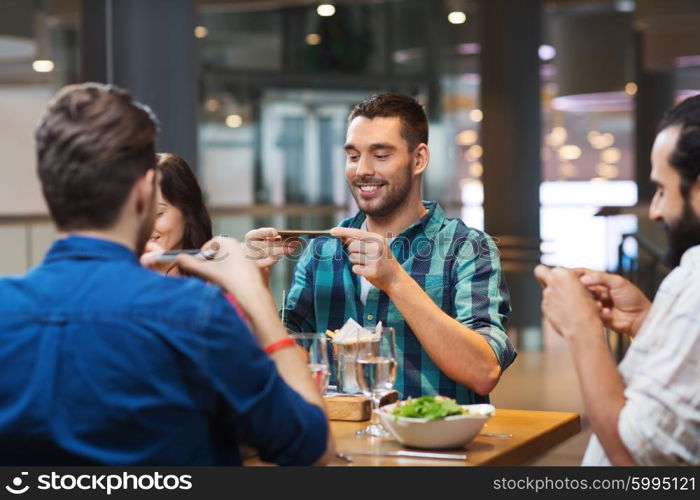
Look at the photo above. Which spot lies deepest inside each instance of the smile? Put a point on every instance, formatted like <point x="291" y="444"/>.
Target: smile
<point x="369" y="190"/>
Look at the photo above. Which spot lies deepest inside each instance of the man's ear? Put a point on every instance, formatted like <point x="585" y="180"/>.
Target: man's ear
<point x="421" y="158"/>
<point x="145" y="191"/>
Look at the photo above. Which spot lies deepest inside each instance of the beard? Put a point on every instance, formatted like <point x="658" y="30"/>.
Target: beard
<point x="683" y="233"/>
<point x="395" y="194"/>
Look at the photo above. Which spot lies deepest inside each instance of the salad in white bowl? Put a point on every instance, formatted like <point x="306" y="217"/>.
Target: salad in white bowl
<point x="434" y="422"/>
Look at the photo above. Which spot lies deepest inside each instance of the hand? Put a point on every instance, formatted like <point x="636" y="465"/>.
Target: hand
<point x="151" y="252"/>
<point x="621" y="305"/>
<point x="370" y="256"/>
<point x="566" y="303"/>
<point x="265" y="247"/>
<point x="229" y="268"/>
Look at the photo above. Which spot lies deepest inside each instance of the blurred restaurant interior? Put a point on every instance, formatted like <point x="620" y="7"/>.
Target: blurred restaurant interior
<point x="542" y="115"/>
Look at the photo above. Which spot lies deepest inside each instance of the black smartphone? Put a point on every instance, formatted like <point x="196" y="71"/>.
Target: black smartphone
<point x="295" y="233"/>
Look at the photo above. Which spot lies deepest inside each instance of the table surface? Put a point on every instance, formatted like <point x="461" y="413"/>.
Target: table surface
<point x="533" y="433"/>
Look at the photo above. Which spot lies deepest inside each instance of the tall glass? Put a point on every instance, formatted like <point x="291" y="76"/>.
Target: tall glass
<point x="375" y="369"/>
<point x="314" y="347"/>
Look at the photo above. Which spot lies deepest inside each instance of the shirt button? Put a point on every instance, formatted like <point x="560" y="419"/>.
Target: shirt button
<point x="370" y="317"/>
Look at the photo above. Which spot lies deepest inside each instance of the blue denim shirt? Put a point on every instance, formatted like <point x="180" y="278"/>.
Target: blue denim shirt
<point x="105" y="362"/>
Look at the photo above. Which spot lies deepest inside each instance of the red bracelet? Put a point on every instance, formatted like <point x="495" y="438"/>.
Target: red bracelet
<point x="280" y="344"/>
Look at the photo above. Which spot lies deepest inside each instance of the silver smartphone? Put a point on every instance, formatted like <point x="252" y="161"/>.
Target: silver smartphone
<point x="171" y="255"/>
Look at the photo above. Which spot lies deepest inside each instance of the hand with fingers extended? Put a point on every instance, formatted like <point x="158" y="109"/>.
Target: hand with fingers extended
<point x="265" y="247"/>
<point x="621" y="305"/>
<point x="566" y="303"/>
<point x="370" y="256"/>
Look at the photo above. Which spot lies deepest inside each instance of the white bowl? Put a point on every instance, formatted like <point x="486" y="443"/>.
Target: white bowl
<point x="449" y="432"/>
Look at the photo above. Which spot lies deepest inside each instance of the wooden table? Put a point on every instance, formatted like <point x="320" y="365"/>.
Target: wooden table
<point x="534" y="432"/>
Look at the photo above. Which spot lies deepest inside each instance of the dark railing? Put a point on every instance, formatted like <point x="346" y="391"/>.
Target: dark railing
<point x="646" y="270"/>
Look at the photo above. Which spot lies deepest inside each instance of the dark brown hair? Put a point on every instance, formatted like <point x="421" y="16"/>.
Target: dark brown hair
<point x="414" y="122"/>
<point x="685" y="157"/>
<point x="181" y="189"/>
<point x="92" y="144"/>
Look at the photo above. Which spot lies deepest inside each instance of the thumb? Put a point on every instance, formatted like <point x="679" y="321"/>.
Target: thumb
<point x="149" y="258"/>
<point x="595" y="278"/>
<point x="542" y="273"/>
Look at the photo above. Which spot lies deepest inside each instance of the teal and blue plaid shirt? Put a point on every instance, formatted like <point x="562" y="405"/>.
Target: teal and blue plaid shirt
<point x="457" y="266"/>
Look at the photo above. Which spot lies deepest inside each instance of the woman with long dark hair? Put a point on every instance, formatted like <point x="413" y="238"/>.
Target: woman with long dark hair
<point x="182" y="219"/>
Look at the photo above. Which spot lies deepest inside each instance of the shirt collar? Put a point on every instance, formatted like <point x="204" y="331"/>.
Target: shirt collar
<point x="691" y="255"/>
<point x="430" y="222"/>
<point x="86" y="248"/>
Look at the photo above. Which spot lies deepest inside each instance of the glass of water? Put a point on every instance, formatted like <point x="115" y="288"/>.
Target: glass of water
<point x="315" y="351"/>
<point x="375" y="370"/>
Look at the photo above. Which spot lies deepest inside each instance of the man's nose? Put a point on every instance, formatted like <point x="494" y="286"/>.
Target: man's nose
<point x="655" y="209"/>
<point x="364" y="168"/>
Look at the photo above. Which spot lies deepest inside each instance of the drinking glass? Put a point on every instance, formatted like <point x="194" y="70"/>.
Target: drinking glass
<point x="314" y="346"/>
<point x="375" y="370"/>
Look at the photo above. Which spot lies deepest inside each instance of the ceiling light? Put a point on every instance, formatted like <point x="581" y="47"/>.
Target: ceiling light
<point x="569" y="152"/>
<point x="476" y="169"/>
<point x="325" y="10"/>
<point x="474" y="153"/>
<point x="476" y="115"/>
<point x="557" y="137"/>
<point x="457" y="17"/>
<point x="234" y="121"/>
<point x="212" y="105"/>
<point x="466" y="137"/>
<point x="42" y="66"/>
<point x="611" y="155"/>
<point x="602" y="141"/>
<point x="630" y="88"/>
<point x="546" y="52"/>
<point x="201" y="31"/>
<point x="313" y="39"/>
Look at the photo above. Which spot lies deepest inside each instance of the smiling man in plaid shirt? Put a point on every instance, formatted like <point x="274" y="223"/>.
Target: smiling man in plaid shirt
<point x="400" y="261"/>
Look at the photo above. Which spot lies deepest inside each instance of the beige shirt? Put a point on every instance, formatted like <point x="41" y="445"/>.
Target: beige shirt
<point x="660" y="422"/>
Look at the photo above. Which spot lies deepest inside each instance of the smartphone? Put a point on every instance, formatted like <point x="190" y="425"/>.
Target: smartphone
<point x="295" y="233"/>
<point x="171" y="255"/>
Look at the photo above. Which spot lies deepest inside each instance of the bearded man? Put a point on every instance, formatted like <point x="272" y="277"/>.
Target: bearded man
<point x="400" y="261"/>
<point x="648" y="412"/>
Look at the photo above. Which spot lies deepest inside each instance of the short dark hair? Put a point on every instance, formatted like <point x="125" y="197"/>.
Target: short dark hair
<point x="92" y="144"/>
<point x="414" y="122"/>
<point x="685" y="157"/>
<point x="181" y="189"/>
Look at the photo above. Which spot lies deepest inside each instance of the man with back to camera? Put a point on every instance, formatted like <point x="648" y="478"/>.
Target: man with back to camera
<point x="649" y="412"/>
<point x="400" y="261"/>
<point x="107" y="362"/>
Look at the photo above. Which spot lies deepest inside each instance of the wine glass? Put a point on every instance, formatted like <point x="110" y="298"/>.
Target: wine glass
<point x="375" y="366"/>
<point x="314" y="347"/>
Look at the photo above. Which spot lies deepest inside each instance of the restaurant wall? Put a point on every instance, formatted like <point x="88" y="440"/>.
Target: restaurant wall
<point x="20" y="110"/>
<point x="22" y="243"/>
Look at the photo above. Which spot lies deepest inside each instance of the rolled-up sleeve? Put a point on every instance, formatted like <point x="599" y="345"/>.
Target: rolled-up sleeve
<point x="258" y="406"/>
<point x="480" y="295"/>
